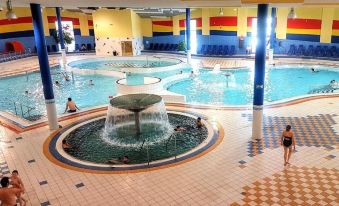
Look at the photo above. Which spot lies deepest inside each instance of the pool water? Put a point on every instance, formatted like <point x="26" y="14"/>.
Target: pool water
<point x="87" y="143"/>
<point x="12" y="89"/>
<point x="237" y="89"/>
<point x="116" y="65"/>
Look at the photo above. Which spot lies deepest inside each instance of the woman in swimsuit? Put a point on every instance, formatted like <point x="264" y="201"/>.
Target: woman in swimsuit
<point x="287" y="140"/>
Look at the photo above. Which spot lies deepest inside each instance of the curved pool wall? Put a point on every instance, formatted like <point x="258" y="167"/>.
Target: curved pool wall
<point x="281" y="83"/>
<point x="98" y="66"/>
<point x="54" y="152"/>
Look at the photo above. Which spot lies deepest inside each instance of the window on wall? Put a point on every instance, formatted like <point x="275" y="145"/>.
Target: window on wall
<point x="193" y="25"/>
<point x="254" y="33"/>
<point x="67" y="27"/>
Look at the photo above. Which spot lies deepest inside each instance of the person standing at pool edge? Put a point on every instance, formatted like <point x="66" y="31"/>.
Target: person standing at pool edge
<point x="71" y="106"/>
<point x="287" y="140"/>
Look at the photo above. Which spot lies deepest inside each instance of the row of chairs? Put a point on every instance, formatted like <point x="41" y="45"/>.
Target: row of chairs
<point x="5" y="57"/>
<point x="84" y="47"/>
<point x="217" y="50"/>
<point x="163" y="47"/>
<point x="318" y="51"/>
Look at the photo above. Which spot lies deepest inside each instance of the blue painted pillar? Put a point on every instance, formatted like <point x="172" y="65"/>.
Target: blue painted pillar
<point x="259" y="71"/>
<point x="273" y="23"/>
<point x="46" y="78"/>
<point x="188" y="35"/>
<point x="60" y="34"/>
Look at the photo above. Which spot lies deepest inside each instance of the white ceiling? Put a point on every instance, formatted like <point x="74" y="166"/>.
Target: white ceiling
<point x="156" y="3"/>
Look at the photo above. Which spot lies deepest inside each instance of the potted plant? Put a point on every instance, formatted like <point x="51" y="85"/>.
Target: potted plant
<point x="182" y="46"/>
<point x="67" y="37"/>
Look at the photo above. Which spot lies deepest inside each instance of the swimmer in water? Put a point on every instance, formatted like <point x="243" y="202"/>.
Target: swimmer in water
<point x="65" y="76"/>
<point x="57" y="83"/>
<point x="90" y="82"/>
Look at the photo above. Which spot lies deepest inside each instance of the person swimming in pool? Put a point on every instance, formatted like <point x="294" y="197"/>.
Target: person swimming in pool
<point x="313" y="70"/>
<point x="57" y="83"/>
<point x="90" y="82"/>
<point x="192" y="74"/>
<point x="65" y="145"/>
<point x="71" y="106"/>
<point x="179" y="129"/>
<point x="66" y="77"/>
<point x="199" y="123"/>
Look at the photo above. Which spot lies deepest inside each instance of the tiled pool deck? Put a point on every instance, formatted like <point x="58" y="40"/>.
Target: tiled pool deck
<point x="236" y="172"/>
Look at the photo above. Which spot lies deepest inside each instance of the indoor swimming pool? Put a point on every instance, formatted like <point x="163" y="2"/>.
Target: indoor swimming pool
<point x="30" y="106"/>
<point x="226" y="87"/>
<point x="235" y="87"/>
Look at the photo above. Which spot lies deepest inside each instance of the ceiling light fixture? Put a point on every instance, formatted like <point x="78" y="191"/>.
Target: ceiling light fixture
<point x="10" y="13"/>
<point x="221" y="12"/>
<point x="292" y="14"/>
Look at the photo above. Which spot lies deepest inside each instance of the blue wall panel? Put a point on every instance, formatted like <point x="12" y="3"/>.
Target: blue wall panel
<point x="303" y="37"/>
<point x="335" y="39"/>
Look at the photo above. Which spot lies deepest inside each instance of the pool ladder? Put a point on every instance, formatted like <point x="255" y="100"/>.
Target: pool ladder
<point x="22" y="109"/>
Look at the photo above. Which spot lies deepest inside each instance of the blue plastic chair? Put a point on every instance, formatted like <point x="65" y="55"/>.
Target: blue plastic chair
<point x="161" y="46"/>
<point x="150" y="47"/>
<point x="215" y="50"/>
<point x="199" y="51"/>
<point x="156" y="46"/>
<point x="334" y="52"/>
<point x="220" y="50"/>
<point x="170" y="47"/>
<point x="310" y="51"/>
<point x="209" y="50"/>
<point x="176" y="47"/>
<point x="166" y="47"/>
<point x="232" y="51"/>
<point x="225" y="50"/>
<point x="301" y="50"/>
<point x="292" y="50"/>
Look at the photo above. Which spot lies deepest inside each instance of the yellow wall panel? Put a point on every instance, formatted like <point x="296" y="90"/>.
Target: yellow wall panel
<point x="83" y="20"/>
<point x="205" y="20"/>
<point x="176" y="28"/>
<point x="146" y="25"/>
<point x="228" y="11"/>
<point x="308" y="13"/>
<point x="136" y="24"/>
<point x="112" y="23"/>
<point x="242" y="22"/>
<point x="45" y="22"/>
<point x="326" y="25"/>
<point x="281" y="22"/>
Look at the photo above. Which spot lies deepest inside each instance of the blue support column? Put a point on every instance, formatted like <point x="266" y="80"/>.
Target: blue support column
<point x="259" y="72"/>
<point x="273" y="23"/>
<point x="46" y="78"/>
<point x="60" y="34"/>
<point x="188" y="34"/>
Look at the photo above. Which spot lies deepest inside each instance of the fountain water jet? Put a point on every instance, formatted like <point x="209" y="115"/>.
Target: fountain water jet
<point x="127" y="116"/>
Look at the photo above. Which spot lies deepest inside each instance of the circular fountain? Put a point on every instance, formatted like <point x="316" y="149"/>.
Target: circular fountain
<point x="136" y="126"/>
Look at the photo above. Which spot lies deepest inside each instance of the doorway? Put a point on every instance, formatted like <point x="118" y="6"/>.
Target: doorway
<point x="193" y="38"/>
<point x="126" y="48"/>
<point x="67" y="28"/>
<point x="255" y="30"/>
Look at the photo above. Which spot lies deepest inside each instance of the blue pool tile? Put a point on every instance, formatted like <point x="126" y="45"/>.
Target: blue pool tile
<point x="79" y="185"/>
<point x="45" y="203"/>
<point x="31" y="161"/>
<point x="242" y="161"/>
<point x="43" y="182"/>
<point x="18" y="138"/>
